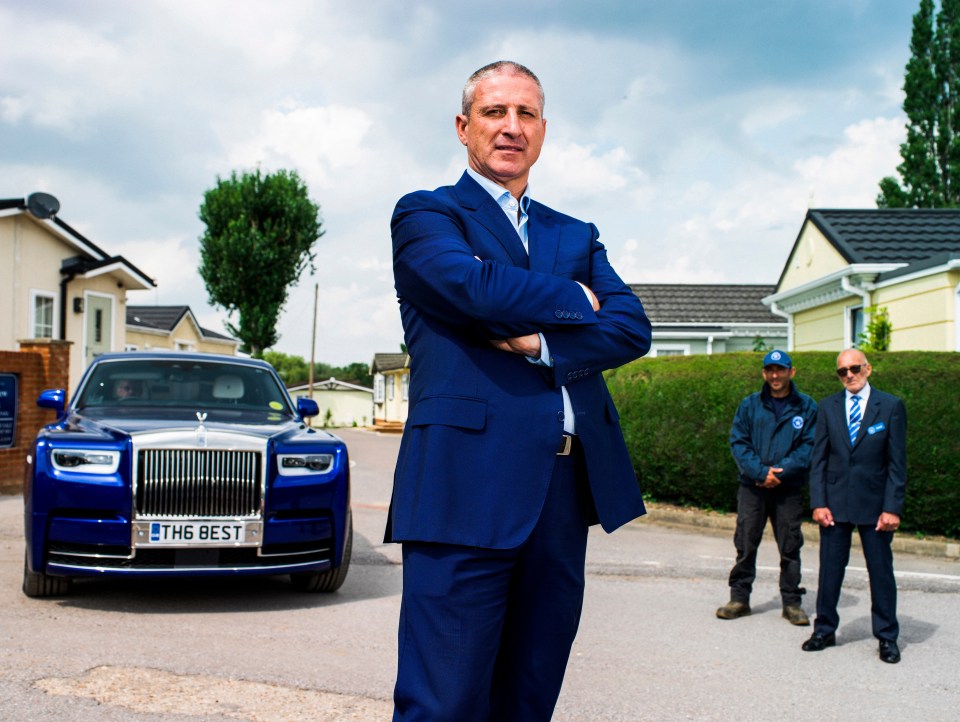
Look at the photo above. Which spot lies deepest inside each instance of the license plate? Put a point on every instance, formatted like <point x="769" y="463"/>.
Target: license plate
<point x="197" y="533"/>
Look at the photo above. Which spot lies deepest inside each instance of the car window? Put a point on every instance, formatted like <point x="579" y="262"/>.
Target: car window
<point x="192" y="385"/>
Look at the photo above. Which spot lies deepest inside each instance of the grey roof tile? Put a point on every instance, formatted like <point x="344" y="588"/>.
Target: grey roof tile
<point x="705" y="303"/>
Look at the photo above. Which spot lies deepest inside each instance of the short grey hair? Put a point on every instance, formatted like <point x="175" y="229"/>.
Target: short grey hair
<point x="501" y="66"/>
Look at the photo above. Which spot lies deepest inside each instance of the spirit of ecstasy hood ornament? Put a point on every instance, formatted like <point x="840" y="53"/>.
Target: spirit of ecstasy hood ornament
<point x="201" y="430"/>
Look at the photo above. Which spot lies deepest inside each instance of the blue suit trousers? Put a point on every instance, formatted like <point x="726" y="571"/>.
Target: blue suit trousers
<point x="834" y="554"/>
<point x="485" y="634"/>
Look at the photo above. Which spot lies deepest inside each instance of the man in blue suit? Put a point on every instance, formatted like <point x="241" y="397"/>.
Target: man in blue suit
<point x="858" y="480"/>
<point x="512" y="445"/>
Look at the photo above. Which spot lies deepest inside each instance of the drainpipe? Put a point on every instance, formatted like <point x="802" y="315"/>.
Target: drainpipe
<point x="777" y="311"/>
<point x="709" y="344"/>
<point x="63" y="304"/>
<point x="69" y="269"/>
<point x="847" y="286"/>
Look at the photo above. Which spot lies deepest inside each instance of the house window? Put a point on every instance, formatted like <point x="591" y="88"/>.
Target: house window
<point x="98" y="326"/>
<point x="131" y="347"/>
<point x="183" y="346"/>
<point x="390" y="387"/>
<point x="378" y="394"/>
<point x="405" y="387"/>
<point x="677" y="350"/>
<point x="856" y="326"/>
<point x="42" y="315"/>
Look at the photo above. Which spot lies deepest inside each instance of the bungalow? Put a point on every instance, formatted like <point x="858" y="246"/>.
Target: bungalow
<point x="846" y="263"/>
<point x="341" y="403"/>
<point x="391" y="386"/>
<point x="692" y="318"/>
<point x="175" y="328"/>
<point x="56" y="284"/>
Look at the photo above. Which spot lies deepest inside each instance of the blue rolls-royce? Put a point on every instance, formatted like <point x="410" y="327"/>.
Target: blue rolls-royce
<point x="184" y="464"/>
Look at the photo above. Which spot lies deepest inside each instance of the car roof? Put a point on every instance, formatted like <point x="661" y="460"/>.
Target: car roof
<point x="180" y="355"/>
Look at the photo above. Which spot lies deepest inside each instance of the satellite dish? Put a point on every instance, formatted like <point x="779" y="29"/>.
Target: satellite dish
<point x="42" y="205"/>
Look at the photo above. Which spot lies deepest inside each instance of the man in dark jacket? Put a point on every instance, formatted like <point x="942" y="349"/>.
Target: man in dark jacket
<point x="772" y="442"/>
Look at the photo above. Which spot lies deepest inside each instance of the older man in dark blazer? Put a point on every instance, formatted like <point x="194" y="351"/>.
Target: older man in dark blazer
<point x="858" y="480"/>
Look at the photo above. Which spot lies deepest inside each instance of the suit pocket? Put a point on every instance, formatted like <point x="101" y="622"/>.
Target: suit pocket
<point x="457" y="411"/>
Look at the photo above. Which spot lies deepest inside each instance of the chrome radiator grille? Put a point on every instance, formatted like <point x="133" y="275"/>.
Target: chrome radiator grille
<point x="198" y="482"/>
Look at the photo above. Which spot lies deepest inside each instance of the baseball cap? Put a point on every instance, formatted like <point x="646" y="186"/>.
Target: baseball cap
<point x="778" y="358"/>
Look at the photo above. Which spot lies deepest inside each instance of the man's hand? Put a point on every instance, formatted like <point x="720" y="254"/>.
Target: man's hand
<point x="823" y="516"/>
<point x="888" y="522"/>
<point x="772" y="481"/>
<point x="524" y="345"/>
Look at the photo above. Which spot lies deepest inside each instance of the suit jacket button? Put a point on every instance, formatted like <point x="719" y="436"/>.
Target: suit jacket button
<point x="558" y="313"/>
<point x="579" y="316"/>
<point x="560" y="416"/>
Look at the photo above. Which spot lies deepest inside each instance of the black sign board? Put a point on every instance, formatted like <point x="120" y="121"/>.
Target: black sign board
<point x="8" y="410"/>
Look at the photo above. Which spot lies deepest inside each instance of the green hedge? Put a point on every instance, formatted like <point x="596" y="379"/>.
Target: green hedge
<point x="676" y="413"/>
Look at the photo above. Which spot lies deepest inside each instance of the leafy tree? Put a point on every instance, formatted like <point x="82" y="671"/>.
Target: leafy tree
<point x="294" y="370"/>
<point x="930" y="171"/>
<point x="259" y="240"/>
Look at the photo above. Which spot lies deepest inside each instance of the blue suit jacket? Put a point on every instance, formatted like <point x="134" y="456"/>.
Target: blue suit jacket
<point x="859" y="482"/>
<point x="484" y="425"/>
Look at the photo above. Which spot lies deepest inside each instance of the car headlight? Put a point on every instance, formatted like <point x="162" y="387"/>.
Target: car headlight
<point x="86" y="461"/>
<point x="303" y="464"/>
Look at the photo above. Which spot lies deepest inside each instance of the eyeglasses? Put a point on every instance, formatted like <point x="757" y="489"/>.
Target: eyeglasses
<point x="842" y="371"/>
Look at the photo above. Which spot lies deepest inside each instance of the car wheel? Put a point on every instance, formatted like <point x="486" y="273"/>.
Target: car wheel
<point x="332" y="579"/>
<point x="36" y="584"/>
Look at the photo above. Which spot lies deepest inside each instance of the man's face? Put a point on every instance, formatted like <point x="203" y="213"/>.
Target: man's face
<point x="778" y="379"/>
<point x="124" y="389"/>
<point x="505" y="129"/>
<point x="853" y="380"/>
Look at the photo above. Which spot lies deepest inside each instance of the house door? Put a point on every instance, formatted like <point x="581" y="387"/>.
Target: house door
<point x="98" y="333"/>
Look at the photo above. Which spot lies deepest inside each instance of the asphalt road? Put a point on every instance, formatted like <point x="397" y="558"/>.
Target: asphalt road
<point x="649" y="646"/>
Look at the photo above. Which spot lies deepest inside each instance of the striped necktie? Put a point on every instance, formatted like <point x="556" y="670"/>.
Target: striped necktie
<point x="855" y="417"/>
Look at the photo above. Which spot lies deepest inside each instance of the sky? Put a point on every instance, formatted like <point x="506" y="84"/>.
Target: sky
<point x="694" y="133"/>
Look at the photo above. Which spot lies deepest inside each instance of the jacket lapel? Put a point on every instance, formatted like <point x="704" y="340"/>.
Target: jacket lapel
<point x="488" y="214"/>
<point x="543" y="238"/>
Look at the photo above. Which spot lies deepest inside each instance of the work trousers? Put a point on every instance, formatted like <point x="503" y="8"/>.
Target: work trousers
<point x="783" y="506"/>
<point x="485" y="634"/>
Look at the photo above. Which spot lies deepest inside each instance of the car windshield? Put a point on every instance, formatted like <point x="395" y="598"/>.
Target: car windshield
<point x="212" y="386"/>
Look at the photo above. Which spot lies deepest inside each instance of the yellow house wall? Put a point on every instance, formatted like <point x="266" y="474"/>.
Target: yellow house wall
<point x="813" y="257"/>
<point x="29" y="261"/>
<point x="821" y="328"/>
<point x="185" y="332"/>
<point x="922" y="312"/>
<point x="347" y="407"/>
<point x="396" y="409"/>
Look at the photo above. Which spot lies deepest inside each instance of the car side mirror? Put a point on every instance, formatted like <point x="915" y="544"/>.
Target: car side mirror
<point x="307" y="407"/>
<point x="55" y="399"/>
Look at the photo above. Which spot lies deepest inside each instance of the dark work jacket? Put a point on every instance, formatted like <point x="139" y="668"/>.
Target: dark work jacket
<point x="759" y="439"/>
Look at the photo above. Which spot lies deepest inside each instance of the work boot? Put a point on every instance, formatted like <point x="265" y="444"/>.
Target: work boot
<point x="732" y="610"/>
<point x="794" y="614"/>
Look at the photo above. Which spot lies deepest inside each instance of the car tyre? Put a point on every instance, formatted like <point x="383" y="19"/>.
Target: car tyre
<point x="332" y="579"/>
<point x="37" y="584"/>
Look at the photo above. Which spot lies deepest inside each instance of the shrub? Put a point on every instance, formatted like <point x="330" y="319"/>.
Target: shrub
<point x="676" y="414"/>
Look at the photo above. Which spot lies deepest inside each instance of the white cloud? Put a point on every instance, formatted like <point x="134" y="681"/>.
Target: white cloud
<point x="322" y="143"/>
<point x="848" y="177"/>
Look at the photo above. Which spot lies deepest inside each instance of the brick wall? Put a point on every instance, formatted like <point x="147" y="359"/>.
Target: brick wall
<point x="40" y="364"/>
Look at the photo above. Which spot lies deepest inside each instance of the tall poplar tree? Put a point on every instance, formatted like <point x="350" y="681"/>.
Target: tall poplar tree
<point x="259" y="239"/>
<point x="930" y="171"/>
